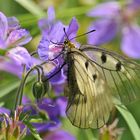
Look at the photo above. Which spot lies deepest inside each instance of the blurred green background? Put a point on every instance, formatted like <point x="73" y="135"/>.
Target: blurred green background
<point x="29" y="12"/>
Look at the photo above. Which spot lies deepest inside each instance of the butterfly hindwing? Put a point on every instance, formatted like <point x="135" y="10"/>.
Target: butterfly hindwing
<point x="122" y="75"/>
<point x="89" y="98"/>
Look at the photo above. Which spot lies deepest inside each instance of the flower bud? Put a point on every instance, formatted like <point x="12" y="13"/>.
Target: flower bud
<point x="38" y="90"/>
<point x="46" y="84"/>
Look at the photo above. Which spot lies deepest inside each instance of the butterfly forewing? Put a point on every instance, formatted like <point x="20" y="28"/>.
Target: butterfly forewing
<point x="90" y="101"/>
<point x="122" y="75"/>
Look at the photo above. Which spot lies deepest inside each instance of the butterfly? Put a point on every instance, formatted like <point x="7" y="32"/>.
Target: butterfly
<point x="95" y="78"/>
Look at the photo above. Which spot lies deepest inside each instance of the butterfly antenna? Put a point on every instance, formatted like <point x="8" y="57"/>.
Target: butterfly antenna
<point x="83" y="34"/>
<point x="60" y="43"/>
<point x="65" y="33"/>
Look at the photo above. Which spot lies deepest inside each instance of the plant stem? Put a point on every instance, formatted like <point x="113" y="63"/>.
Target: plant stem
<point x="22" y="85"/>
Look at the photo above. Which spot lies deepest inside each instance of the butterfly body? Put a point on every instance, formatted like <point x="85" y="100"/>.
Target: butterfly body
<point x="84" y="109"/>
<point x="95" y="77"/>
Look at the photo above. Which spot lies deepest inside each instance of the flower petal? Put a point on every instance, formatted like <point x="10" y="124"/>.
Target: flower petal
<point x="72" y="28"/>
<point x="20" y="56"/>
<point x="3" y="26"/>
<point x="59" y="78"/>
<point x="11" y="67"/>
<point x="52" y="32"/>
<point x="51" y="14"/>
<point x="18" y="37"/>
<point x="2" y="44"/>
<point x="43" y="49"/>
<point x="50" y="107"/>
<point x="107" y="9"/>
<point x="136" y="2"/>
<point x="57" y="32"/>
<point x="58" y="88"/>
<point x="130" y="41"/>
<point x="45" y="126"/>
<point x="4" y="110"/>
<point x="62" y="102"/>
<point x="13" y="24"/>
<point x="44" y="26"/>
<point x="106" y="29"/>
<point x="25" y="100"/>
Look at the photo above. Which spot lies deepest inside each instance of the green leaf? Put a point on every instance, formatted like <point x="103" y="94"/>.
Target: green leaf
<point x="16" y="132"/>
<point x="7" y="88"/>
<point x="3" y="52"/>
<point x="70" y="12"/>
<point x="32" y="130"/>
<point x="80" y="134"/>
<point x="130" y="120"/>
<point x="32" y="7"/>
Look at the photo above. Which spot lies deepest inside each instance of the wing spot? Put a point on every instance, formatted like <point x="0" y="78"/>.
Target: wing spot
<point x="94" y="77"/>
<point x="86" y="64"/>
<point x="118" y="66"/>
<point x="103" y="58"/>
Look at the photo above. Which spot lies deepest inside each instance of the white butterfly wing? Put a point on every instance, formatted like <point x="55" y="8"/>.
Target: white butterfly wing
<point x="122" y="75"/>
<point x="89" y="98"/>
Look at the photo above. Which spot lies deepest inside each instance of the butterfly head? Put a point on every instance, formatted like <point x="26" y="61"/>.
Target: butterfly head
<point x="68" y="44"/>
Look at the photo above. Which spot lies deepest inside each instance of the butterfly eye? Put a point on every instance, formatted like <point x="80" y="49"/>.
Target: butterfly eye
<point x="66" y="42"/>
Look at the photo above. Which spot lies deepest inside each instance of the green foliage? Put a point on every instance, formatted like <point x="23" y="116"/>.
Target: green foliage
<point x="32" y="130"/>
<point x="130" y="120"/>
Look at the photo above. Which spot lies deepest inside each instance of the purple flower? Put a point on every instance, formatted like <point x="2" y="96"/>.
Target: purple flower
<point x="14" y="60"/>
<point x="112" y="18"/>
<point x="54" y="32"/>
<point x="13" y="36"/>
<point x="59" y="135"/>
<point x="130" y="40"/>
<point x="102" y="27"/>
<point x="53" y="108"/>
<point x="10" y="67"/>
<point x="49" y="48"/>
<point x="4" y="111"/>
<point x="20" y="56"/>
<point x="18" y="38"/>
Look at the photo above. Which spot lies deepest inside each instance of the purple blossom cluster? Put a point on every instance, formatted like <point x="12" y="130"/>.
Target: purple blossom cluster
<point x="16" y="56"/>
<point x="53" y="109"/>
<point x="116" y="17"/>
<point x="12" y="39"/>
<point x="49" y="109"/>
<point x="48" y="48"/>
